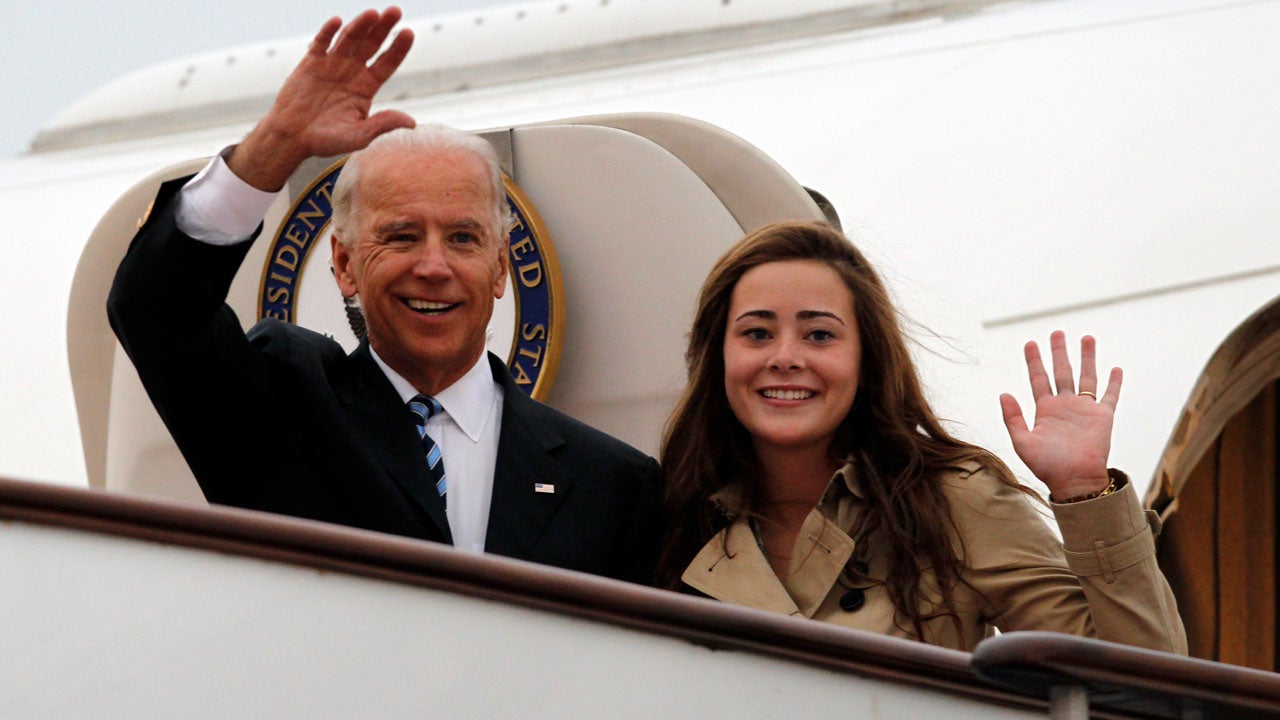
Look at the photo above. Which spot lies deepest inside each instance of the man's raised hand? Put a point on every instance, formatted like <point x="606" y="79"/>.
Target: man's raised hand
<point x="323" y="107"/>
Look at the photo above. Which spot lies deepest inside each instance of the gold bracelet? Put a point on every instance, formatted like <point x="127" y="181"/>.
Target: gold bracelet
<point x="1110" y="488"/>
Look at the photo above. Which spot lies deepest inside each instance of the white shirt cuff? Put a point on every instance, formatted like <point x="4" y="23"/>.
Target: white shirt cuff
<point x="219" y="208"/>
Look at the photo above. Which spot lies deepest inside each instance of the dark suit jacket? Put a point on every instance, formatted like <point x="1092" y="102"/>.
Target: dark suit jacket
<point x="283" y="420"/>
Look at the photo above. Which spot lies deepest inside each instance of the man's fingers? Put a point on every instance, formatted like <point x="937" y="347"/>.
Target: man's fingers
<point x="354" y="33"/>
<point x="379" y="31"/>
<point x="388" y="61"/>
<point x="320" y="44"/>
<point x="382" y="122"/>
<point x="363" y="36"/>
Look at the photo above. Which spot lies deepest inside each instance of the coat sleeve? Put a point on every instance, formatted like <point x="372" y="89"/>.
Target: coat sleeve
<point x="167" y="307"/>
<point x="1100" y="580"/>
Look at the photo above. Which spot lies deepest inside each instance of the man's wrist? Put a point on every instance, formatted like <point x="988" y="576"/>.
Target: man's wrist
<point x="265" y="159"/>
<point x="219" y="208"/>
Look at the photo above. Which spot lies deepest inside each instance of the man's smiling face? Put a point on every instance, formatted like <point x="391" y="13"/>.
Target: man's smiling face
<point x="425" y="261"/>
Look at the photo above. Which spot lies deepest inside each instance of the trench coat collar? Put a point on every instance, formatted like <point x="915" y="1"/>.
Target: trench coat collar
<point x="730" y="500"/>
<point x="733" y="568"/>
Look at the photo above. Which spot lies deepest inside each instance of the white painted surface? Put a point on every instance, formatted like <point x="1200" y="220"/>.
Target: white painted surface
<point x="103" y="627"/>
<point x="475" y="48"/>
<point x="1109" y="166"/>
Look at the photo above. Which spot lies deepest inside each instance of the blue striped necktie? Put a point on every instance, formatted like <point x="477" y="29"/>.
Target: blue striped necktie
<point x="424" y="408"/>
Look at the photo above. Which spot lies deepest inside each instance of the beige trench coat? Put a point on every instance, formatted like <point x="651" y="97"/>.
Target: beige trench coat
<point x="1101" y="580"/>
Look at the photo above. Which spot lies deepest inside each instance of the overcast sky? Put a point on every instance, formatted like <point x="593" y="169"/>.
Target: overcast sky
<point x="56" y="52"/>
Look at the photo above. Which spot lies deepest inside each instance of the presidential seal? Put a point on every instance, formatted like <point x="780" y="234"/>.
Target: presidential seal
<point x="527" y="328"/>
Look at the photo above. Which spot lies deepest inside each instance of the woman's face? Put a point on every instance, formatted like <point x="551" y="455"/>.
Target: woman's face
<point x="791" y="354"/>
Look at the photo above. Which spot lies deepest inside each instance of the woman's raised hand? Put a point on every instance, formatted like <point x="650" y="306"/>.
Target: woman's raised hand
<point x="1067" y="446"/>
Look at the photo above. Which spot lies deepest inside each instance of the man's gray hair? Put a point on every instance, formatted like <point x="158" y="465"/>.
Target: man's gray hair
<point x="428" y="138"/>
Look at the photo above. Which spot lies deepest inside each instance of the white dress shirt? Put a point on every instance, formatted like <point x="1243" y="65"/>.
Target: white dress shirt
<point x="467" y="433"/>
<point x="219" y="208"/>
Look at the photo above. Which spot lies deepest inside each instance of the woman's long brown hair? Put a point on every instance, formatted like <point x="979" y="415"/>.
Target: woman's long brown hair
<point x="898" y="444"/>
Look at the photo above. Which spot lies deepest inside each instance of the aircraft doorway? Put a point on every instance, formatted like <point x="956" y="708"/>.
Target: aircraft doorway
<point x="1216" y="489"/>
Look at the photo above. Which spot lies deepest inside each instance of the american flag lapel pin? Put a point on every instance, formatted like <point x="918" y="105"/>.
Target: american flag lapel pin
<point x="544" y="488"/>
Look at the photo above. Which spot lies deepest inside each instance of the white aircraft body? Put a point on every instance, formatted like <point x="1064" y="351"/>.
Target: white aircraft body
<point x="1012" y="168"/>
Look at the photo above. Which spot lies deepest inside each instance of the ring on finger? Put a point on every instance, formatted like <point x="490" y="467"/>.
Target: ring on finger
<point x="1089" y="394"/>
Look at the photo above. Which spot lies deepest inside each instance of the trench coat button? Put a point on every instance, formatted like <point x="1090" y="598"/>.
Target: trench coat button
<point x="853" y="600"/>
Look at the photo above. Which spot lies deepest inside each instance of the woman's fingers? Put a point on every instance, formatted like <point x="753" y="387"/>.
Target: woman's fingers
<point x="1062" y="376"/>
<point x="1088" y="366"/>
<point x="1112" y="396"/>
<point x="1014" y="421"/>
<point x="1035" y="371"/>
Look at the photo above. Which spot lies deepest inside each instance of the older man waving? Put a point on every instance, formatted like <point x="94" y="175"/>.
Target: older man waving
<point x="419" y="432"/>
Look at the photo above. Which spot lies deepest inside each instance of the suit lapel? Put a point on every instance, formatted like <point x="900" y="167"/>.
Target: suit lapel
<point x="371" y="402"/>
<point x="519" y="514"/>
